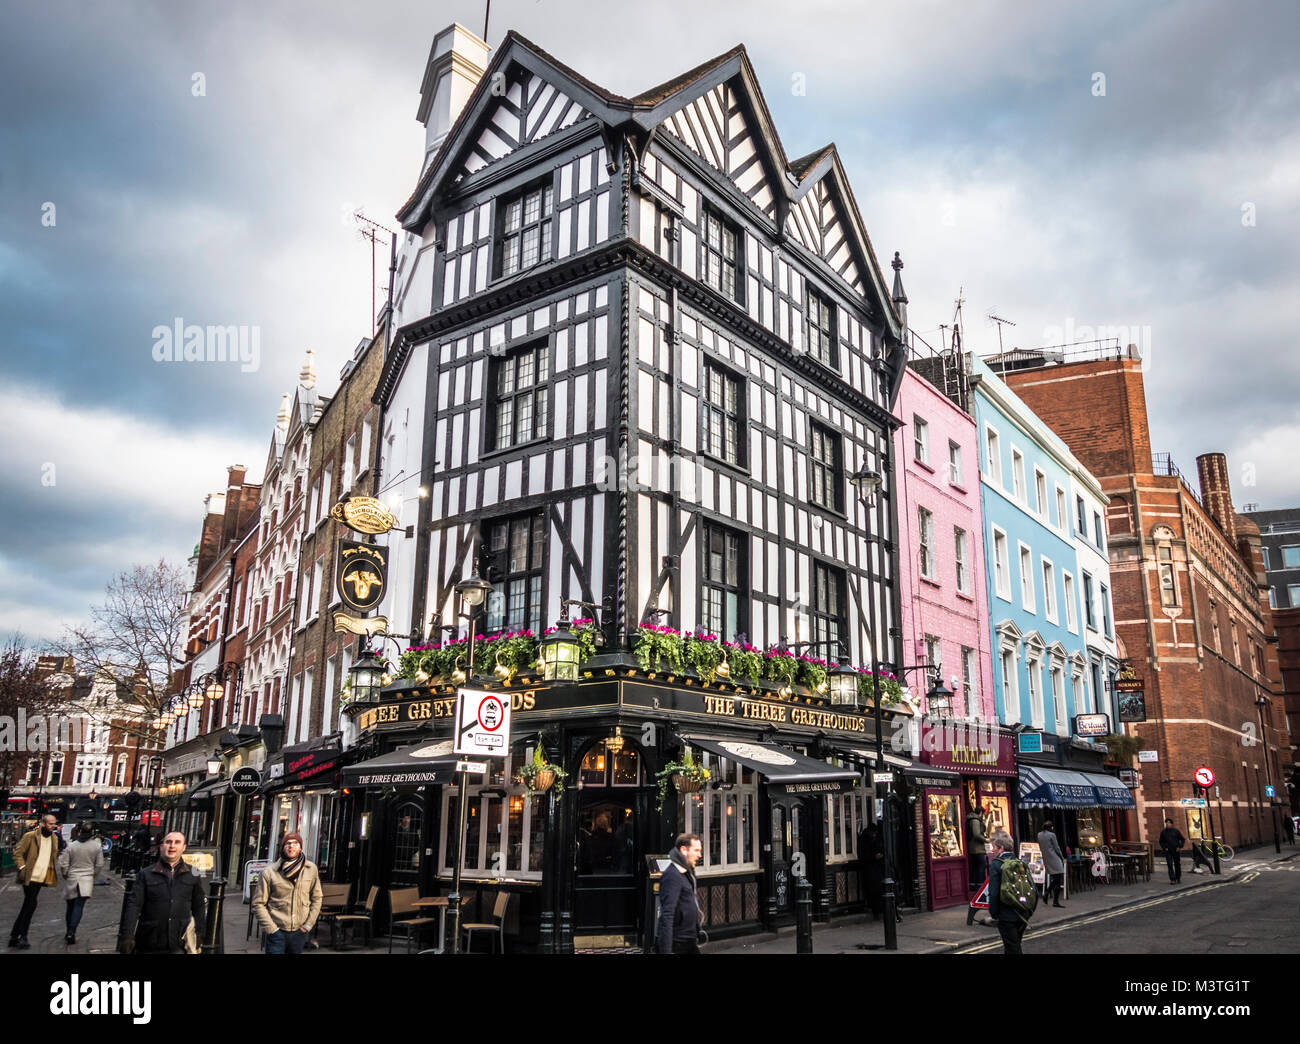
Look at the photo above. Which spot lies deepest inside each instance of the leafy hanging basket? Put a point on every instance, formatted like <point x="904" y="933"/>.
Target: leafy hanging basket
<point x="686" y="776"/>
<point x="540" y="775"/>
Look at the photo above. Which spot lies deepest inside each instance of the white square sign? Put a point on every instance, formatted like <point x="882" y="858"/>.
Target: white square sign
<point x="482" y="723"/>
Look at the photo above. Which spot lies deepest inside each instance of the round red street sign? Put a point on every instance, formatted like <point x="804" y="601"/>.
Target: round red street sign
<point x="491" y="713"/>
<point x="1204" y="776"/>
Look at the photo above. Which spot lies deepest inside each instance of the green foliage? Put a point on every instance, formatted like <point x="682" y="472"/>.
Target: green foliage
<point x="703" y="653"/>
<point x="527" y="775"/>
<point x="891" y="689"/>
<point x="658" y="648"/>
<point x="745" y="661"/>
<point x="782" y="666"/>
<point x="1122" y="749"/>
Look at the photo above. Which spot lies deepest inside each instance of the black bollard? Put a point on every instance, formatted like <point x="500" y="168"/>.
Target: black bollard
<point x="803" y="915"/>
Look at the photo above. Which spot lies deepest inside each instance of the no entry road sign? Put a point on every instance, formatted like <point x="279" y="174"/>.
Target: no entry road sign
<point x="1204" y="776"/>
<point x="482" y="723"/>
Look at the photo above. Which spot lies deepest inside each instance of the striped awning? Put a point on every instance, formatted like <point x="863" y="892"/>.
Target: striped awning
<point x="1055" y="788"/>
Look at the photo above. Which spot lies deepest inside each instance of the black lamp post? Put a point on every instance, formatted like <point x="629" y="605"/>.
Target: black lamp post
<point x="867" y="482"/>
<point x="473" y="592"/>
<point x="1260" y="704"/>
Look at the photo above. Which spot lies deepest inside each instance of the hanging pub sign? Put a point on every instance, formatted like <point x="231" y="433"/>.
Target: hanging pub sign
<point x="364" y="515"/>
<point x="1130" y="695"/>
<point x="361" y="574"/>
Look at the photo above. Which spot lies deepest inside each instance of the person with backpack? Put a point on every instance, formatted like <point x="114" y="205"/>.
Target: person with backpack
<point x="1012" y="896"/>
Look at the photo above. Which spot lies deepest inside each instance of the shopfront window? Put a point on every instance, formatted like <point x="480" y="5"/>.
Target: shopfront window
<point x="504" y="827"/>
<point x="945" y="826"/>
<point x="1090" y="832"/>
<point x="842" y="817"/>
<point x="726" y="819"/>
<point x="602" y="769"/>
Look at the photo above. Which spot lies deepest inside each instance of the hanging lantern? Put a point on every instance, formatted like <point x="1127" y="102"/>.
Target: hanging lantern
<point x="214" y="689"/>
<point x="844" y="684"/>
<point x="939" y="699"/>
<point x="196" y="699"/>
<point x="366" y="674"/>
<point x="180" y="707"/>
<point x="559" y="653"/>
<point x="615" y="743"/>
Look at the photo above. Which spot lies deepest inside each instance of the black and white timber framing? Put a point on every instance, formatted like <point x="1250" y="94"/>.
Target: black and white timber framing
<point x="620" y="304"/>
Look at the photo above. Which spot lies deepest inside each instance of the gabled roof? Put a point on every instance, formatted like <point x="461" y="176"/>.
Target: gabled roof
<point x="641" y="116"/>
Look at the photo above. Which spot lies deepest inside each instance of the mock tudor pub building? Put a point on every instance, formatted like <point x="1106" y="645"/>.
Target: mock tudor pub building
<point x="637" y="419"/>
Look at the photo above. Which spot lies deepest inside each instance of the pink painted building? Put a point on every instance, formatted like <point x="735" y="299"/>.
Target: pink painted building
<point x="944" y="616"/>
<point x="941" y="561"/>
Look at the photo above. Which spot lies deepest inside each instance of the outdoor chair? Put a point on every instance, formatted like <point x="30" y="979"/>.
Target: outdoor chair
<point x="403" y="904"/>
<point x="365" y="919"/>
<point x="496" y="929"/>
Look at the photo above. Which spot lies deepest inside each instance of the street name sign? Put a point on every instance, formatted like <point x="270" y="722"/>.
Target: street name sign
<point x="478" y="767"/>
<point x="482" y="723"/>
<point x="1192" y="802"/>
<point x="1148" y="755"/>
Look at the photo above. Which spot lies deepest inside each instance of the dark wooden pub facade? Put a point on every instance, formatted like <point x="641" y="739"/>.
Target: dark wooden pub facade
<point x="640" y="353"/>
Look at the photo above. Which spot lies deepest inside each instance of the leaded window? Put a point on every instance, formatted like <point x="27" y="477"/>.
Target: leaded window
<point x="521" y="396"/>
<point x="721" y="417"/>
<point x="721" y="595"/>
<point x="821" y="330"/>
<point x="825" y="459"/>
<point x="517" y="558"/>
<point x="525" y="237"/>
<point x="720" y="262"/>
<point x="829" y="624"/>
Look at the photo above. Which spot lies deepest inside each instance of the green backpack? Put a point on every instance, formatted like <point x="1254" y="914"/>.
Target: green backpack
<point x="1018" y="892"/>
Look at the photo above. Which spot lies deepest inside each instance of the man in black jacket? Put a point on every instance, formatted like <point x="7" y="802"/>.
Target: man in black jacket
<point x="159" y="908"/>
<point x="1172" y="841"/>
<point x="679" y="911"/>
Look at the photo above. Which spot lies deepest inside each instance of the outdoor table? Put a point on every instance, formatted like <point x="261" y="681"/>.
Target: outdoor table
<point x="440" y="903"/>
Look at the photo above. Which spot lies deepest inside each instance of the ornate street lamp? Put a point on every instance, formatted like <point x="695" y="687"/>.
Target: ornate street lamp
<point x="558" y="653"/>
<point x="866" y="482"/>
<point x="939" y="699"/>
<point x="214" y="690"/>
<point x="195" y="697"/>
<point x="214" y="764"/>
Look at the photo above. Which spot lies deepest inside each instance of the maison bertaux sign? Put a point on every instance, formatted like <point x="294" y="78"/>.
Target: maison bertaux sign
<point x="417" y="708"/>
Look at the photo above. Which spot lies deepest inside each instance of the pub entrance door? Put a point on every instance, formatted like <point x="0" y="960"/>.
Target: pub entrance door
<point x="607" y="892"/>
<point x="795" y="836"/>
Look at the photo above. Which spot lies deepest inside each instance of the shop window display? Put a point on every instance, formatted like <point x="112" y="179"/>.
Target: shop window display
<point x="945" y="826"/>
<point x="1090" y="832"/>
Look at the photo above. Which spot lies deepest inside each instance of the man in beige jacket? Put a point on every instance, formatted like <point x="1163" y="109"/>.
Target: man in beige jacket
<point x="288" y="898"/>
<point x="36" y="858"/>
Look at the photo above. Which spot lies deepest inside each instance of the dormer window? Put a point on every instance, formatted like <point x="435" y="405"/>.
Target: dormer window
<point x="524" y="235"/>
<point x="720" y="263"/>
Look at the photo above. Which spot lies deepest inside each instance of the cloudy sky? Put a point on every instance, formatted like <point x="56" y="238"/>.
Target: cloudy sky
<point x="1098" y="165"/>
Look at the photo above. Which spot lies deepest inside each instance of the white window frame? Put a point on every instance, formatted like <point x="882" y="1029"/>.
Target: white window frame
<point x="926" y="562"/>
<point x="1027" y="598"/>
<point x="1049" y="588"/>
<point x="482" y="865"/>
<point x="921" y="439"/>
<point x="119" y="776"/>
<point x="1071" y="610"/>
<point x="993" y="455"/>
<point x="845" y="839"/>
<point x="1034" y="678"/>
<point x="349" y="455"/>
<point x="1001" y="565"/>
<point x="1040" y="492"/>
<point x="970" y="682"/>
<point x="1019" y="490"/>
<point x="954" y="463"/>
<point x="367" y="435"/>
<point x="53" y="775"/>
<point x="1010" y="683"/>
<point x="1062" y="509"/>
<point x="1290" y="565"/>
<point x="1057" y="676"/>
<point x="1082" y="705"/>
<point x="959" y="543"/>
<point x="716" y="802"/>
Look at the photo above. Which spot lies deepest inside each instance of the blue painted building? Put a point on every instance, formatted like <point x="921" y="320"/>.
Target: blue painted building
<point x="1049" y="614"/>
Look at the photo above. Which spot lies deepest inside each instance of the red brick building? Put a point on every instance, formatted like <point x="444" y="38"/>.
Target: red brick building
<point x="1191" y="605"/>
<point x="1287" y="622"/>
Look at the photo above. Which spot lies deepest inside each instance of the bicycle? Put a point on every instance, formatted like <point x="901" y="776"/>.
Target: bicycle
<point x="1225" y="851"/>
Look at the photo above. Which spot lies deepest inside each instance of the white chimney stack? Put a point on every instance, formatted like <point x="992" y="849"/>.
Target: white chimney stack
<point x="457" y="61"/>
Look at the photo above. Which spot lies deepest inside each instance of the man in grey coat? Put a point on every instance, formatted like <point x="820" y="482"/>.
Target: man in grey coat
<point x="80" y="865"/>
<point x="1053" y="862"/>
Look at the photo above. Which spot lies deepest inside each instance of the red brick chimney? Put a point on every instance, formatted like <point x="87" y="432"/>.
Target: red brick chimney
<point x="1216" y="493"/>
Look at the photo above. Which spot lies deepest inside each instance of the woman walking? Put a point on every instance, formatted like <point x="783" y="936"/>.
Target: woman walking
<point x="80" y="864"/>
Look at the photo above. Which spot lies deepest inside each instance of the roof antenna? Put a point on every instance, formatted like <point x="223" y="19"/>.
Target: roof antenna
<point x="1001" y="322"/>
<point x="487" y="13"/>
<point x="370" y="230"/>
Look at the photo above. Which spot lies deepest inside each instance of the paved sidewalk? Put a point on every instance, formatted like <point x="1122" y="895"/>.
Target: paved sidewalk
<point x="946" y="931"/>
